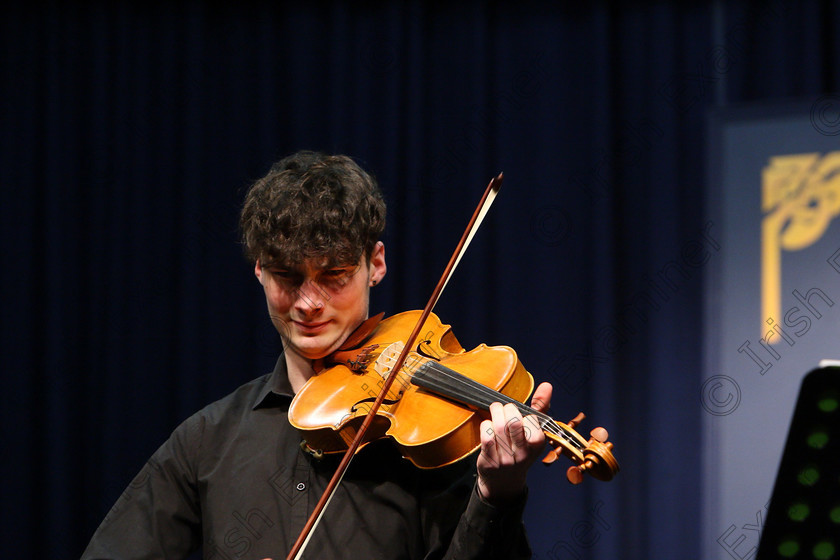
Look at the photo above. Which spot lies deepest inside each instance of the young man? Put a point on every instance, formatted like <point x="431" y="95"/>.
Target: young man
<point x="234" y="480"/>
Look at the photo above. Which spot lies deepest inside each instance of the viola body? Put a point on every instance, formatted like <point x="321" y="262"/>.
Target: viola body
<point x="431" y="429"/>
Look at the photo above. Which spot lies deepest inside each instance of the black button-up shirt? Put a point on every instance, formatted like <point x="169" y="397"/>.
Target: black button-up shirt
<point x="232" y="479"/>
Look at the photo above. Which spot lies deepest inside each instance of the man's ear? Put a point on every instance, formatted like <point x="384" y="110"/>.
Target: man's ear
<point x="377" y="268"/>
<point x="258" y="272"/>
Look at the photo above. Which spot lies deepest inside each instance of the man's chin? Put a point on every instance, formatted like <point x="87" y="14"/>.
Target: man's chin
<point x="313" y="349"/>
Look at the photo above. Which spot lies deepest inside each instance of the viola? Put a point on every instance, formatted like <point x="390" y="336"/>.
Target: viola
<point x="440" y="380"/>
<point x="434" y="407"/>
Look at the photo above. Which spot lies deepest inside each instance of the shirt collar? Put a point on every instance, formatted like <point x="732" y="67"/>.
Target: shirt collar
<point x="277" y="389"/>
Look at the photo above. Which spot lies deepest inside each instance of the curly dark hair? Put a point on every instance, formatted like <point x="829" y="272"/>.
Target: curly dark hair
<point x="312" y="205"/>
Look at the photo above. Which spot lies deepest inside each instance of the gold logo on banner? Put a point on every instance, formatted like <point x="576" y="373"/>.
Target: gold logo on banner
<point x="800" y="194"/>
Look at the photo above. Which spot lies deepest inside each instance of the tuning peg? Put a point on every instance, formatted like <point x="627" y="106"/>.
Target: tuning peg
<point x="599" y="434"/>
<point x="551" y="456"/>
<point x="575" y="475"/>
<point x="576" y="420"/>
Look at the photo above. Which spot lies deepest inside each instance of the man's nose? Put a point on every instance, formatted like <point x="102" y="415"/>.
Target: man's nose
<point x="310" y="297"/>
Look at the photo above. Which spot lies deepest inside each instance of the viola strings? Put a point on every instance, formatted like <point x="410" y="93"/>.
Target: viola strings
<point x="458" y="386"/>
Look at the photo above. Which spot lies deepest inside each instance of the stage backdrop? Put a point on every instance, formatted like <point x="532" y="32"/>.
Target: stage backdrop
<point x="772" y="300"/>
<point x="130" y="130"/>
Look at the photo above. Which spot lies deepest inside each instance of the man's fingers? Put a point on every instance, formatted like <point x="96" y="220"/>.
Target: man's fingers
<point x="514" y="428"/>
<point x="509" y="445"/>
<point x="533" y="430"/>
<point x="542" y="397"/>
<point x="497" y="416"/>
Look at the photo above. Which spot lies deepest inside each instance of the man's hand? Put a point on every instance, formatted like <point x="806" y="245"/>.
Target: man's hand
<point x="509" y="446"/>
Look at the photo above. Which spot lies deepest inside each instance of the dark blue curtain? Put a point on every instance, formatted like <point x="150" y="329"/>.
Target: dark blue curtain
<point x="130" y="130"/>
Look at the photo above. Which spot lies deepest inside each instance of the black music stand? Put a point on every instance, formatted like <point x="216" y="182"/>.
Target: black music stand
<point x="803" y="520"/>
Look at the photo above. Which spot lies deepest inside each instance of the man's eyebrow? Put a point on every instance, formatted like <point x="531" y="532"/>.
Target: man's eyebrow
<point x="279" y="266"/>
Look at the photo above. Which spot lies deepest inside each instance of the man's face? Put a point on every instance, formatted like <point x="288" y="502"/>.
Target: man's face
<point x="315" y="308"/>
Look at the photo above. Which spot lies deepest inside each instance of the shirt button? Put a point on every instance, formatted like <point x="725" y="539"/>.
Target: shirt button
<point x="301" y="486"/>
